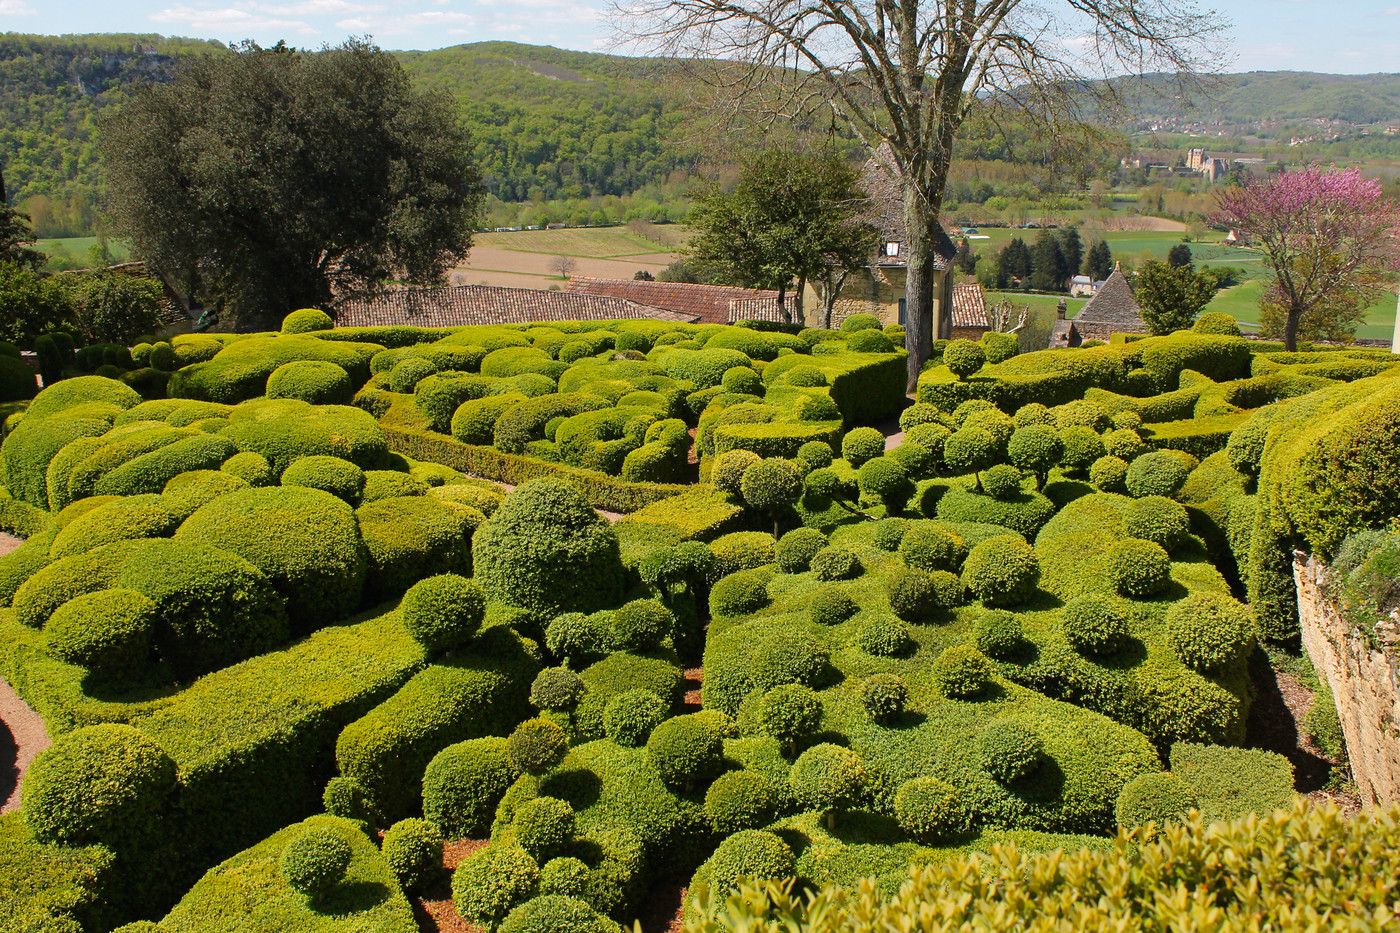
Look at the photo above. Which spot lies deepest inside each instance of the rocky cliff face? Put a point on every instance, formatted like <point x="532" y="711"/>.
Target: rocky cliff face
<point x="1363" y="678"/>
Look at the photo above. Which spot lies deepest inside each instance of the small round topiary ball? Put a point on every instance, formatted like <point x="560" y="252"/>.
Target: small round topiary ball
<point x="413" y="849"/>
<point x="742" y="380"/>
<point x="1158" y="798"/>
<point x="306" y="320"/>
<point x="883" y="697"/>
<point x="685" y="750"/>
<point x="739" y="594"/>
<point x="1001" y="571"/>
<point x="964" y="357"/>
<point x="889" y="532"/>
<point x="410" y="371"/>
<point x="740" y="800"/>
<point x="1095" y="625"/>
<point x="443" y="612"/>
<point x="1109" y="474"/>
<point x="1159" y="473"/>
<point x="107" y="632"/>
<point x="790" y="713"/>
<point x="1140" y="569"/>
<point x="797" y="548"/>
<point x="641" y="625"/>
<point x="564" y="877"/>
<point x="537" y="746"/>
<point x="997" y="634"/>
<point x="729" y="469"/>
<point x="962" y="672"/>
<point x="631" y="716"/>
<point x="556" y="689"/>
<point x="315" y="381"/>
<point x="831" y="606"/>
<point x="1210" y="632"/>
<point x="1217" y="322"/>
<point x="577" y="638"/>
<point x="927" y="809"/>
<point x="340" y="478"/>
<point x="752" y="855"/>
<point x="771" y="484"/>
<point x="315" y="861"/>
<point x="862" y="444"/>
<point x="1009" y="751"/>
<point x="1002" y="481"/>
<point x="816" y="454"/>
<point x="916" y="595"/>
<point x="543" y="826"/>
<point x="930" y="548"/>
<point x="1158" y="519"/>
<point x="834" y="562"/>
<point x="345" y="797"/>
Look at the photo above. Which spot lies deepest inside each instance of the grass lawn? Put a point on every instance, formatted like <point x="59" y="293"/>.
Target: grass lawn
<point x="1124" y="244"/>
<point x="77" y="247"/>
<point x="1037" y="302"/>
<point x="1242" y="303"/>
<point x="595" y="242"/>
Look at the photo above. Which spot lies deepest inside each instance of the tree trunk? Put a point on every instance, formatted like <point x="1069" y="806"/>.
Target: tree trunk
<point x="782" y="301"/>
<point x="799" y="298"/>
<point x="919" y="325"/>
<point x="1290" y="329"/>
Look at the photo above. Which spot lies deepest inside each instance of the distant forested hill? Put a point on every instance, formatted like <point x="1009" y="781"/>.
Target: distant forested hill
<point x="1262" y="96"/>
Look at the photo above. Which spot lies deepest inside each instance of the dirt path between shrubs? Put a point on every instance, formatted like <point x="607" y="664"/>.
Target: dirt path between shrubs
<point x="22" y="732"/>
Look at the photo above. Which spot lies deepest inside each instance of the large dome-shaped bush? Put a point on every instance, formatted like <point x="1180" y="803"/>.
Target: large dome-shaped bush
<point x="314" y="381"/>
<point x="547" y="551"/>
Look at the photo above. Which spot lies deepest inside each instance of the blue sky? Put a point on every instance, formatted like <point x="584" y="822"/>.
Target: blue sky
<point x="1347" y="36"/>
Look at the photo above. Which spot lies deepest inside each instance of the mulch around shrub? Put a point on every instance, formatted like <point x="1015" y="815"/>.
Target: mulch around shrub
<point x="694" y="680"/>
<point x="664" y="910"/>
<point x="434" y="909"/>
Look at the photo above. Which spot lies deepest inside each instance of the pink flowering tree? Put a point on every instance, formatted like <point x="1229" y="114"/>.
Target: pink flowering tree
<point x="1325" y="234"/>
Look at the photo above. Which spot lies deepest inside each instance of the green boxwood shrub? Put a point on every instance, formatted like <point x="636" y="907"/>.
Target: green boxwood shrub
<point x="771" y="485"/>
<point x="869" y="341"/>
<point x="630" y="717"/>
<point x="1159" y="473"/>
<point x="306" y="320"/>
<point x="730" y="467"/>
<point x="883" y="697"/>
<point x="1081" y="446"/>
<point x="796" y="549"/>
<point x="886" y="480"/>
<point x="553" y="913"/>
<point x="790" y="713"/>
<point x="997" y="634"/>
<point x="1096" y="625"/>
<point x="410" y="538"/>
<point x="565" y="876"/>
<point x="314" y="861"/>
<point x="340" y="478"/>
<point x="1140" y="569"/>
<point x="1009" y="751"/>
<point x="463" y="784"/>
<point x="831" y="606"/>
<point x="1159" y="798"/>
<point x="1216" y="322"/>
<point x="788" y="658"/>
<point x="828" y="777"/>
<point x="253" y="468"/>
<point x="107" y="632"/>
<point x="641" y="625"/>
<point x="929" y="809"/>
<point x="578" y="639"/>
<point x="490" y="881"/>
<point x="122" y="519"/>
<point x="556" y="689"/>
<point x="1001" y="571"/>
<point x="918" y="595"/>
<point x="686" y="751"/>
<point x="108" y="783"/>
<point x="862" y="444"/>
<point x="413" y="849"/>
<point x="282" y="430"/>
<point x="314" y="381"/>
<point x="739" y="594"/>
<point x="928" y="547"/>
<point x="1159" y="520"/>
<point x="964" y="357"/>
<point x="546" y="550"/>
<point x="347" y="799"/>
<point x="1109" y="474"/>
<point x="537" y="746"/>
<point x="962" y="672"/>
<point x="835" y="562"/>
<point x="750" y="854"/>
<point x="1210" y="631"/>
<point x="542" y="826"/>
<point x="741" y="800"/>
<point x="882" y="635"/>
<point x="816" y="454"/>
<point x="889" y="533"/>
<point x="443" y="612"/>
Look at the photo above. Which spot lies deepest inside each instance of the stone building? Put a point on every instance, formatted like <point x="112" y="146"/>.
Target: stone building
<point x="1113" y="310"/>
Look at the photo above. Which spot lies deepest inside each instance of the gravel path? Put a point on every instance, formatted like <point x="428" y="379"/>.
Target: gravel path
<point x="22" y="732"/>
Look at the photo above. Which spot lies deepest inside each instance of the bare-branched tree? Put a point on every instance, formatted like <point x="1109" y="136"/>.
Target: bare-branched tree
<point x="1005" y="319"/>
<point x="907" y="73"/>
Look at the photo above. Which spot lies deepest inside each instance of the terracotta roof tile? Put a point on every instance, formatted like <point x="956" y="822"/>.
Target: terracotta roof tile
<point x="466" y="305"/>
<point x="763" y="309"/>
<point x="969" y="305"/>
<point x="710" y="303"/>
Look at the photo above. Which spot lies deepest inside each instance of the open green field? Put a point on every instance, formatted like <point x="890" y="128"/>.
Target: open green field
<point x="1125" y="243"/>
<point x="1242" y="303"/>
<point x="77" y="247"/>
<point x="587" y="242"/>
<point x="1038" y="303"/>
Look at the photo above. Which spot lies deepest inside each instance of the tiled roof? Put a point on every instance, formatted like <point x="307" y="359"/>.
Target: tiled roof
<point x="763" y="309"/>
<point x="465" y="305"/>
<point x="1113" y="305"/>
<point x="710" y="303"/>
<point x="969" y="305"/>
<point x="880" y="179"/>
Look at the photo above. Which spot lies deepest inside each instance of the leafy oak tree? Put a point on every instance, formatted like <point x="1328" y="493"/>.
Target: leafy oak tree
<point x="907" y="74"/>
<point x="1171" y="296"/>
<point x="275" y="179"/>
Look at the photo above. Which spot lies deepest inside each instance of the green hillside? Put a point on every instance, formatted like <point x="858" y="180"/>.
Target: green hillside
<point x="1276" y="95"/>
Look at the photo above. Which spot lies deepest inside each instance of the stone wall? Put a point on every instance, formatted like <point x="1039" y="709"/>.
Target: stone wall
<point x="1363" y="680"/>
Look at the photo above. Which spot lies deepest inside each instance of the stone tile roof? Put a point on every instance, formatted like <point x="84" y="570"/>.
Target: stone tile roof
<point x="763" y="309"/>
<point x="466" y="305"/>
<point x="1113" y="306"/>
<point x="969" y="305"/>
<point x="1064" y="334"/>
<point x="709" y="303"/>
<point x="880" y="179"/>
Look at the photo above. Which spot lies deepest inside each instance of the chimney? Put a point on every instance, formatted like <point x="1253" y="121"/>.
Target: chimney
<point x="1061" y="308"/>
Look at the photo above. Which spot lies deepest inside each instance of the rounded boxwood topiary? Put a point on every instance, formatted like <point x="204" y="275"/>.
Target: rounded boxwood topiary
<point x="556" y="689"/>
<point x="443" y="612"/>
<point x="862" y="444"/>
<point x="252" y="468"/>
<point x="107" y="632"/>
<point x="787" y="658"/>
<point x="564" y="876"/>
<point x="554" y="913"/>
<point x="816" y="454"/>
<point x="1034" y="447"/>
<point x="410" y="371"/>
<point x="1081" y="446"/>
<point x="740" y="800"/>
<point x="752" y="855"/>
<point x="970" y="450"/>
<point x="630" y="717"/>
<point x="108" y="783"/>
<point x="1140" y="569"/>
<point x="834" y="562"/>
<point x="1210" y="632"/>
<point x="962" y="672"/>
<point x="548" y="551"/>
<point x="997" y="634"/>
<point x="464" y="782"/>
<point x="641" y="625"/>
<point x="885" y="479"/>
<point x="306" y="320"/>
<point x="854" y="323"/>
<point x="346" y="798"/>
<point x="797" y="548"/>
<point x="578" y="639"/>
<point x="790" y="713"/>
<point x="831" y="606"/>
<point x="1159" y="473"/>
<point x="889" y="532"/>
<point x="537" y="746"/>
<point x="315" y="381"/>
<point x="869" y="341"/>
<point x="543" y="825"/>
<point x="771" y="485"/>
<point x="686" y="751"/>
<point x="883" y="697"/>
<point x="739" y="594"/>
<point x="882" y="635"/>
<point x="490" y="881"/>
<point x="805" y="376"/>
<point x="1245" y="448"/>
<point x="1123" y="443"/>
<point x="828" y="777"/>
<point x="964" y="357"/>
<point x="1160" y="798"/>
<point x="1216" y="322"/>
<point x="928" y="809"/>
<point x="929" y="548"/>
<point x="916" y="595"/>
<point x="1095" y="625"/>
<point x="727" y="474"/>
<point x="1002" y="481"/>
<point x="1109" y="474"/>
<point x="340" y="478"/>
<point x="1159" y="520"/>
<point x="742" y="380"/>
<point x="413" y="849"/>
<point x="315" y="861"/>
<point x="1009" y="751"/>
<point x="1001" y="571"/>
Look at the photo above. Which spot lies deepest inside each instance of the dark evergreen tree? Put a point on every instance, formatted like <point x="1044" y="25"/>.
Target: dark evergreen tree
<point x="966" y="258"/>
<point x="1014" y="262"/>
<point x="1098" y="262"/>
<point x="1048" y="271"/>
<point x="1072" y="248"/>
<point x="1179" y="256"/>
<point x="16" y="235"/>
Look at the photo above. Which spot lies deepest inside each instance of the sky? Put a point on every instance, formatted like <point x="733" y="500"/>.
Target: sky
<point x="1339" y="36"/>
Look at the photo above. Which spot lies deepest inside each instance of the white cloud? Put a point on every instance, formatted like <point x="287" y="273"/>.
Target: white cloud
<point x="229" y="19"/>
<point x="16" y="8"/>
<point x="317" y="8"/>
<point x="405" y="23"/>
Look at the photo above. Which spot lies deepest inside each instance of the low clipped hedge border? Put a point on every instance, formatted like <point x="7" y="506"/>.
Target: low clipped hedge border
<point x="602" y="491"/>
